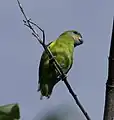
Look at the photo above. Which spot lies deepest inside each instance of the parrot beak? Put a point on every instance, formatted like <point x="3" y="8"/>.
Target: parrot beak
<point x="80" y="41"/>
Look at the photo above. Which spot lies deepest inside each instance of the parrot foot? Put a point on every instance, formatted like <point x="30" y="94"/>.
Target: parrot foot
<point x="52" y="59"/>
<point x="61" y="78"/>
<point x="58" y="79"/>
<point x="64" y="77"/>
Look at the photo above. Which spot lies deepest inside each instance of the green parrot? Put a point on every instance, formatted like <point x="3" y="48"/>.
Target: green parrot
<point x="62" y="49"/>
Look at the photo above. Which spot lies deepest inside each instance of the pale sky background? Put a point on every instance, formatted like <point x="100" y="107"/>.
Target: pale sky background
<point x="20" y="53"/>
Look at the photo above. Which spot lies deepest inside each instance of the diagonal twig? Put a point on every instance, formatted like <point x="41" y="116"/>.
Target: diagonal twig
<point x="63" y="76"/>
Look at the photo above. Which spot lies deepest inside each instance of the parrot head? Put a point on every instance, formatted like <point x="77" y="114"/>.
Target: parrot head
<point x="77" y="37"/>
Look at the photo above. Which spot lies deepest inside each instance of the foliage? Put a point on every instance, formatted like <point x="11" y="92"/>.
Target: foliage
<point x="9" y="112"/>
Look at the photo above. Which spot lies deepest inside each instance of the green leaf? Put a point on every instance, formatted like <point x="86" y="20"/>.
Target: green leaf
<point x="9" y="112"/>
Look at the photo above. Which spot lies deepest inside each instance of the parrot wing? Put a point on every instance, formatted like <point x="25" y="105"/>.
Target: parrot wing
<point x="43" y="59"/>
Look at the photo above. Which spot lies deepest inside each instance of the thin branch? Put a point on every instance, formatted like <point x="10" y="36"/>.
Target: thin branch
<point x="63" y="76"/>
<point x="40" y="30"/>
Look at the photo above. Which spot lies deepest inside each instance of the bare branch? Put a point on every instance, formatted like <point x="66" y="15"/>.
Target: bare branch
<point x="40" y="30"/>
<point x="63" y="76"/>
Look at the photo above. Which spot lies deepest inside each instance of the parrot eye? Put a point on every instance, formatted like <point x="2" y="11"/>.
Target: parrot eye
<point x="75" y="32"/>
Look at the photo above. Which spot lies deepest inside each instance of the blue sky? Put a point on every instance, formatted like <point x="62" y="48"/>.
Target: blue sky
<point x="20" y="53"/>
